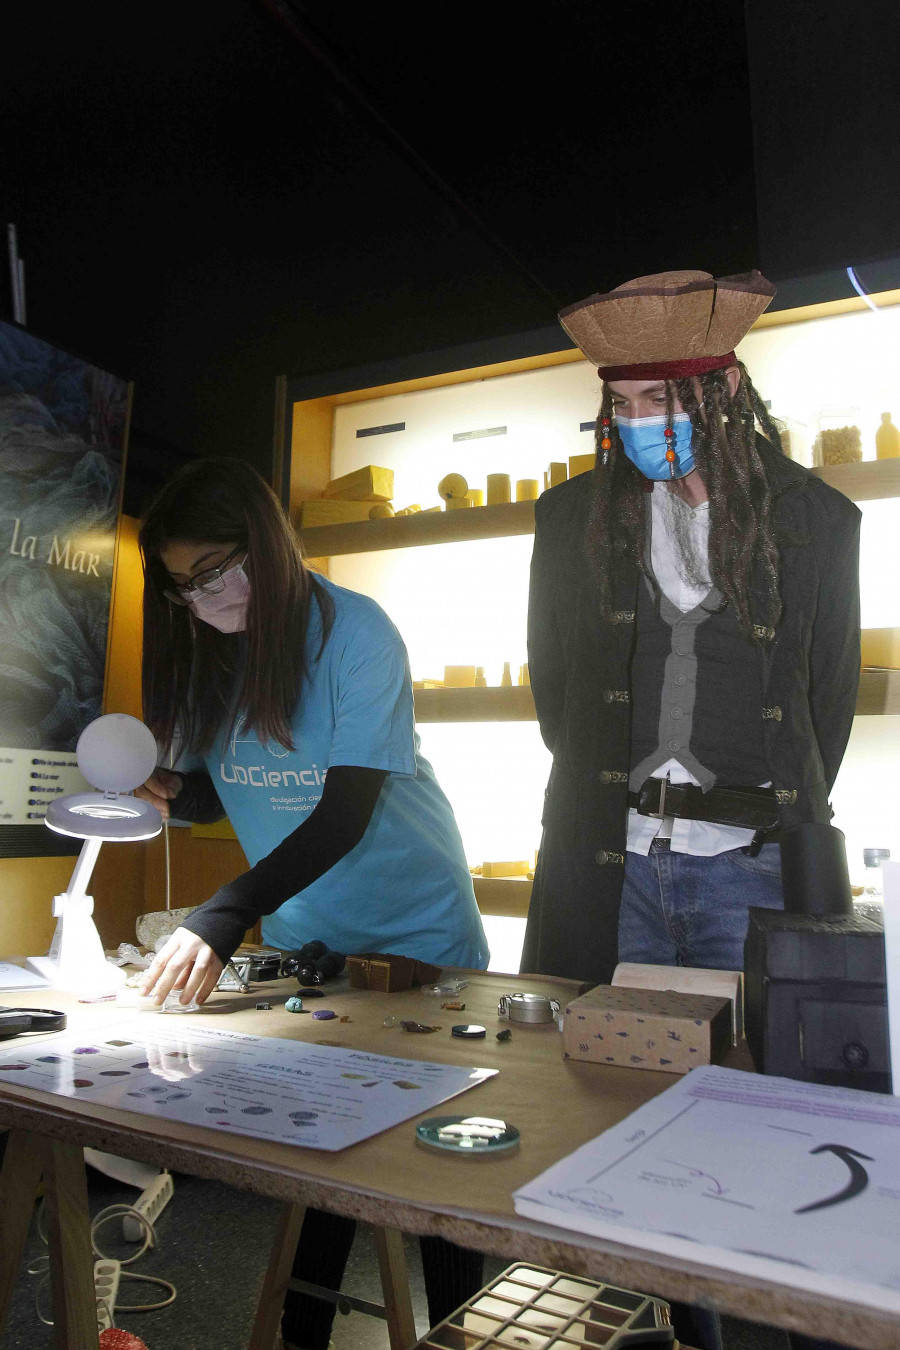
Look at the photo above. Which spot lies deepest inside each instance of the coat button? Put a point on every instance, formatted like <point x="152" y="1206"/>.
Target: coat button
<point x="673" y="744"/>
<point x="678" y="712"/>
<point x="776" y="713"/>
<point x="606" y="776"/>
<point x="601" y="857"/>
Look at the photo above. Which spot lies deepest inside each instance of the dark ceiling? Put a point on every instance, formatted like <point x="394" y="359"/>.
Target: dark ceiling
<point x="210" y="193"/>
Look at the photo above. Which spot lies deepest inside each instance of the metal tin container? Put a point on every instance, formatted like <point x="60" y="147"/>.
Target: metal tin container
<point x="527" y="1008"/>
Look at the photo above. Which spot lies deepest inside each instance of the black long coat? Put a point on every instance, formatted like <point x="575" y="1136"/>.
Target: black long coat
<point x="807" y="669"/>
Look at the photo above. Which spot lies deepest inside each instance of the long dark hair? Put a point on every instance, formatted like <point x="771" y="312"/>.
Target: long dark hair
<point x="742" y="550"/>
<point x="197" y="680"/>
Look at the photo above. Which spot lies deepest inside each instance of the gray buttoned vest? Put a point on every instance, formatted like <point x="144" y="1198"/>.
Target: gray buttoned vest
<point x="696" y="694"/>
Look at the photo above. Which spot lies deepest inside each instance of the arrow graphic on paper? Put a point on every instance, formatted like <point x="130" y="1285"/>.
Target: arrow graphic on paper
<point x="859" y="1177"/>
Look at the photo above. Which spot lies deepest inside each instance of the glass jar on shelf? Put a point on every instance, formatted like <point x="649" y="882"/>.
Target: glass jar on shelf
<point x="839" y="438"/>
<point x="870" y="905"/>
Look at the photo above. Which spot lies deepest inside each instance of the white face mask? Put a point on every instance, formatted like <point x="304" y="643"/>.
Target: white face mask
<point x="227" y="608"/>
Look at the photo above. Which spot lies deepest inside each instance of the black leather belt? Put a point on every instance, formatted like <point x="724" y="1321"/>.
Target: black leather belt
<point x="753" y="808"/>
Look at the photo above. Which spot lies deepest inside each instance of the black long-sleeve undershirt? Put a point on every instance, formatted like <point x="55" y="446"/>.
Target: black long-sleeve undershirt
<point x="330" y="831"/>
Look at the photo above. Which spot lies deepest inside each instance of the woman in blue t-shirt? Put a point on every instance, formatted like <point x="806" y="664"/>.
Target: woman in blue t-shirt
<point x="291" y="704"/>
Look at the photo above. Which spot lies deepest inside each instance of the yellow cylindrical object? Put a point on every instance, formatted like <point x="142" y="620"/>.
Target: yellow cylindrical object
<point x="452" y="485"/>
<point x="476" y="496"/>
<point x="524" y="676"/>
<point x="381" y="511"/>
<point x="498" y="489"/>
<point x="506" y="677"/>
<point x="887" y="439"/>
<point x="459" y="677"/>
<point x="581" y="464"/>
<point x="556" y="474"/>
<point x="527" y="490"/>
<point x="458" y="503"/>
<point x="480" y="681"/>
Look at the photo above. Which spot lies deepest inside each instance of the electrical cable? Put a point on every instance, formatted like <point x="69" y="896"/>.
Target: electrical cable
<point x="41" y="1266"/>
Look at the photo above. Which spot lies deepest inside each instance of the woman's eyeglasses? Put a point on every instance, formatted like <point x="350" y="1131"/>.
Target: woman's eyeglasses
<point x="208" y="582"/>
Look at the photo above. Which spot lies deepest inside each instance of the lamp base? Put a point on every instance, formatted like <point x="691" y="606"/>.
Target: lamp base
<point x="76" y="961"/>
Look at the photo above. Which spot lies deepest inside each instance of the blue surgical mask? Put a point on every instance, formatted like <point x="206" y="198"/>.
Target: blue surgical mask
<point x="645" y="444"/>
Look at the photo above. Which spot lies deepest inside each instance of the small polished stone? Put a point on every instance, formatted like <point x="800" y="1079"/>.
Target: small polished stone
<point x="324" y="1015"/>
<point x="294" y="1004"/>
<point x="263" y="1007"/>
<point x="504" y="1035"/>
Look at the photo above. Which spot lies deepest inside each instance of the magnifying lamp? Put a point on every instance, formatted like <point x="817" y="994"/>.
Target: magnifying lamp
<point x="116" y="753"/>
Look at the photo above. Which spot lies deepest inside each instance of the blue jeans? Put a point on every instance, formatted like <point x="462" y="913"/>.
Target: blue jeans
<point x="682" y="910"/>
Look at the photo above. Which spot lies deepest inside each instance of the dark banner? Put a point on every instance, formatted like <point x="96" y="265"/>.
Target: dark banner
<point x="63" y="425"/>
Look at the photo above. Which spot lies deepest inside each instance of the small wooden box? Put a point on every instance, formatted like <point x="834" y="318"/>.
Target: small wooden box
<point x="647" y="1029"/>
<point x="370" y="484"/>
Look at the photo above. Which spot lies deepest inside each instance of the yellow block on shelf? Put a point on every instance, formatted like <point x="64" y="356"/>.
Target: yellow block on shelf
<point x="476" y="496"/>
<point x="881" y="647"/>
<point x="556" y="474"/>
<point x="527" y="490"/>
<point x="458" y="503"/>
<point x="581" y="464"/>
<point x="459" y="677"/>
<point x="505" y="869"/>
<point x="322" y="512"/>
<point x="370" y="484"/>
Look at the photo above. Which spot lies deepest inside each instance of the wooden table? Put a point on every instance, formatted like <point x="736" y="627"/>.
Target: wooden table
<point x="386" y="1181"/>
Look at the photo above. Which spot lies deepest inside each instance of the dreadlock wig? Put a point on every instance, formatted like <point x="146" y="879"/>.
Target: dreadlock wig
<point x="743" y="555"/>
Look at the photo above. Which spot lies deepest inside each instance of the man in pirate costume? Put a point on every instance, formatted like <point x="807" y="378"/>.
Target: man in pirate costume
<point x="693" y="642"/>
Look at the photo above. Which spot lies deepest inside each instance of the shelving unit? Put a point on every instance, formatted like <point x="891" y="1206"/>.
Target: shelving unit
<point x="494" y="704"/>
<point x="879" y="695"/>
<point x="432" y="527"/>
<point x="872" y="480"/>
<point x="507" y="897"/>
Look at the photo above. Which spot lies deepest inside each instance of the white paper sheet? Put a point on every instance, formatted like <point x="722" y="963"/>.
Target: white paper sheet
<point x="793" y="1182"/>
<point x="295" y="1092"/>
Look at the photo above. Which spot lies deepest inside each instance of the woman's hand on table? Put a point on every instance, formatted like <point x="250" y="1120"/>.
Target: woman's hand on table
<point x="160" y="788"/>
<point x="186" y="964"/>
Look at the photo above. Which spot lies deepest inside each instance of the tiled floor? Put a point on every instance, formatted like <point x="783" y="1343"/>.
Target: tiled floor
<point x="213" y="1245"/>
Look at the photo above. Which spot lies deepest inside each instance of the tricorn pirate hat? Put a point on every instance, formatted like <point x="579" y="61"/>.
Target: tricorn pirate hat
<point x="667" y="326"/>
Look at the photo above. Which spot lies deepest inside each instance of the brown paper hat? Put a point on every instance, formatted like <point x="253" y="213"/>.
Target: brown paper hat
<point x="667" y="326"/>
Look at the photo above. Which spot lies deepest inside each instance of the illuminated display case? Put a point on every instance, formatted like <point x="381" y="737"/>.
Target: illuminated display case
<point x="456" y="582"/>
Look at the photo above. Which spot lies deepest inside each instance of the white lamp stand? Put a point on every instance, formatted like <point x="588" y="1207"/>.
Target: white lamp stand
<point x="117" y="753"/>
<point x="76" y="960"/>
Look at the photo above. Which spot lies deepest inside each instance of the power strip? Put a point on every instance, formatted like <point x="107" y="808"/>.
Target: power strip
<point x="151" y="1204"/>
<point x="106" y="1289"/>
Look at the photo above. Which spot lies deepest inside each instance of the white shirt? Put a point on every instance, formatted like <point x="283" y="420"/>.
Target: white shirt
<point x="687" y="836"/>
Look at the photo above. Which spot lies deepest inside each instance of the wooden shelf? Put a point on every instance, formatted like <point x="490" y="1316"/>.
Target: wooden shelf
<point x="433" y="527"/>
<point x="507" y="896"/>
<point x="475" y="705"/>
<point x="867" y="481"/>
<point x="879" y="693"/>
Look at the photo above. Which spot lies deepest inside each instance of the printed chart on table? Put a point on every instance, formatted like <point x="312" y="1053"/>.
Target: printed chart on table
<point x="294" y="1092"/>
<point x="790" y="1181"/>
